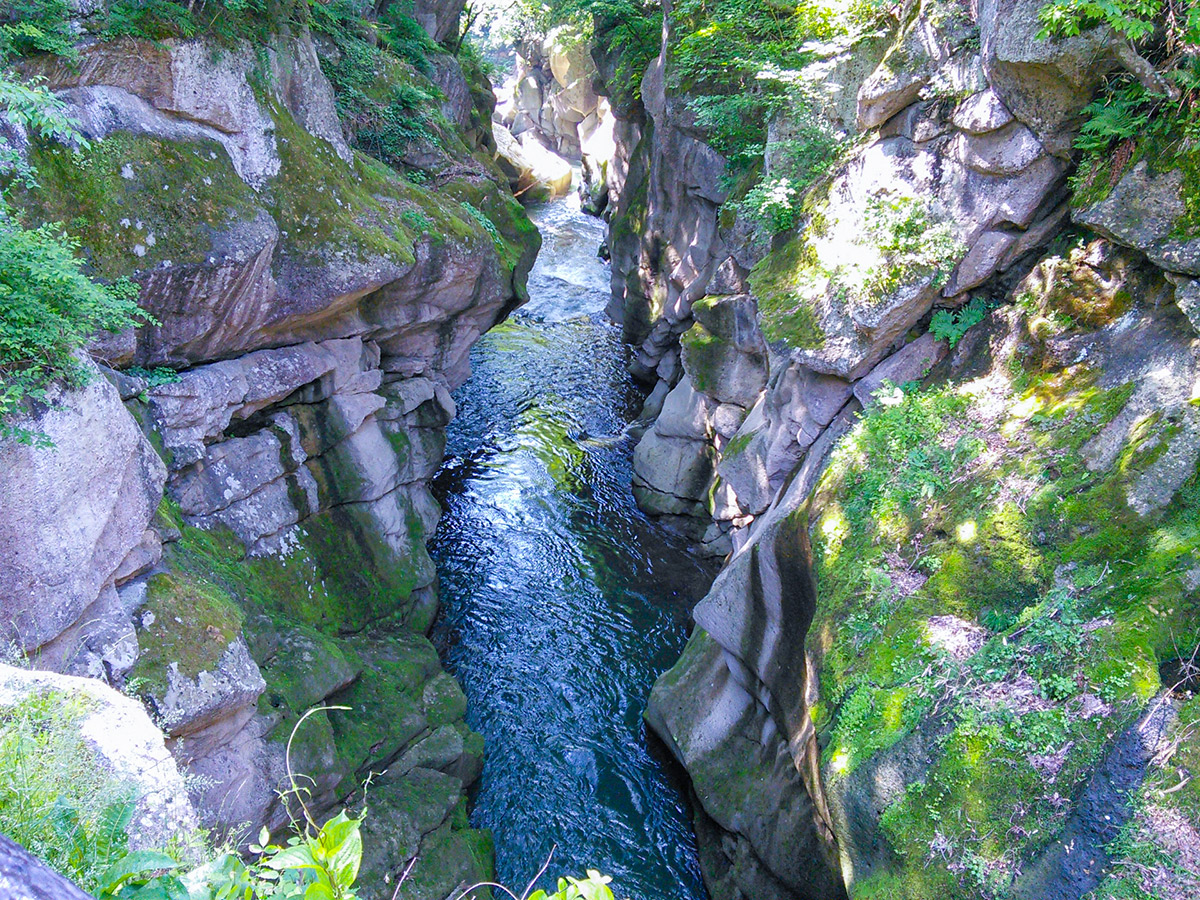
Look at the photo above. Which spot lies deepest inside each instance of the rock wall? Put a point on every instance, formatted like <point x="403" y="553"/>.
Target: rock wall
<point x="835" y="707"/>
<point x="231" y="521"/>
<point x="553" y="112"/>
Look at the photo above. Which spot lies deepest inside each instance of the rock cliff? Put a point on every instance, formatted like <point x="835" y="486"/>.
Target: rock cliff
<point x="940" y="422"/>
<point x="231" y="520"/>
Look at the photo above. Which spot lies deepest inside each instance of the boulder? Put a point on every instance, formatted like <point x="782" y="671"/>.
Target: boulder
<point x="1044" y="83"/>
<point x="1143" y="210"/>
<point x="911" y="363"/>
<point x="534" y="171"/>
<point x="1187" y="298"/>
<point x="127" y="745"/>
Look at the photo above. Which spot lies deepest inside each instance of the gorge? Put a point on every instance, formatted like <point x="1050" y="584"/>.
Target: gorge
<point x="838" y="537"/>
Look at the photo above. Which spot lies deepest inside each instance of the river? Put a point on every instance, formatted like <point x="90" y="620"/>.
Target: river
<point x="561" y="602"/>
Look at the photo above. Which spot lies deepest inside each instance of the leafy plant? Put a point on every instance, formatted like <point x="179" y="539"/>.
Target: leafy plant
<point x="48" y="308"/>
<point x="773" y="203"/>
<point x="911" y="244"/>
<point x="384" y="123"/>
<point x="35" y="26"/>
<point x="950" y="326"/>
<point x="594" y="887"/>
<point x="1134" y="19"/>
<point x="229" y="21"/>
<point x="317" y="862"/>
<point x="54" y="799"/>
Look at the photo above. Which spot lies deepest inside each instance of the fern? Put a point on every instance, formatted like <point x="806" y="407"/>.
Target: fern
<point x="1121" y="115"/>
<point x="951" y="326"/>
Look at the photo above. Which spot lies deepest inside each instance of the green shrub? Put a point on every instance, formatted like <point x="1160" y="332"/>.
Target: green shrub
<point x="384" y="122"/>
<point x="738" y="61"/>
<point x="406" y="39"/>
<point x="35" y="26"/>
<point x="1149" y="112"/>
<point x="799" y="161"/>
<point x="627" y="31"/>
<point x="149" y="19"/>
<point x="228" y="21"/>
<point x="48" y="308"/>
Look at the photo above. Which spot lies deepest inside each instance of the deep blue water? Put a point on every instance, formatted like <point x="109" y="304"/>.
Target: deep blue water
<point x="561" y="603"/>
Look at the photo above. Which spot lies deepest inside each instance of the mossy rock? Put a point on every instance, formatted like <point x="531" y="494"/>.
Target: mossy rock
<point x="136" y="202"/>
<point x="781" y="283"/>
<point x="185" y="621"/>
<point x="388" y="707"/>
<point x="340" y="576"/>
<point x="975" y="507"/>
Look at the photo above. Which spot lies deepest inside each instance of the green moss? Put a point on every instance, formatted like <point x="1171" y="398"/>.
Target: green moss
<point x="703" y="354"/>
<point x="387" y="704"/>
<point x="341" y="575"/>
<point x="938" y="506"/>
<point x="778" y="283"/>
<point x="999" y="567"/>
<point x="136" y="202"/>
<point x="187" y="622"/>
<point x="512" y="234"/>
<point x="324" y="205"/>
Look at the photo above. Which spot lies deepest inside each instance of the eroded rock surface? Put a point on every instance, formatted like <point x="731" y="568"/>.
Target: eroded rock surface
<point x="247" y="527"/>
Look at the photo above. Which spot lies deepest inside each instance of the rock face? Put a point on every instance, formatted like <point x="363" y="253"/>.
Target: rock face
<point x="534" y="171"/>
<point x="58" y="585"/>
<point x="247" y="527"/>
<point x="830" y="707"/>
<point x="554" y="94"/>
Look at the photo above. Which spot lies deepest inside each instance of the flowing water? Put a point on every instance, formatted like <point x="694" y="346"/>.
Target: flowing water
<point x="561" y="603"/>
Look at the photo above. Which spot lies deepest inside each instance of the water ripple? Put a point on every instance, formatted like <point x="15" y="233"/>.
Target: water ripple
<point x="560" y="603"/>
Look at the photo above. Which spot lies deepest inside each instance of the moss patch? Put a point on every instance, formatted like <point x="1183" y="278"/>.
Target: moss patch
<point x="137" y="202"/>
<point x="187" y="621"/>
<point x="966" y="516"/>
<point x="779" y="284"/>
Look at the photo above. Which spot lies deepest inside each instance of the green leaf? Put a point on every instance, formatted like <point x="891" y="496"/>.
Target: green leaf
<point x="319" y="891"/>
<point x="340" y="843"/>
<point x="132" y="865"/>
<point x="298" y="857"/>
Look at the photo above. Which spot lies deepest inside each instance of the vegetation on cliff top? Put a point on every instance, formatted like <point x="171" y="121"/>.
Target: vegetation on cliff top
<point x="1149" y="111"/>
